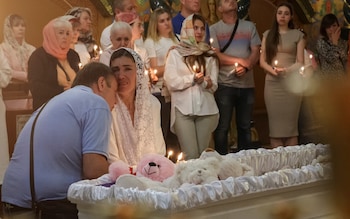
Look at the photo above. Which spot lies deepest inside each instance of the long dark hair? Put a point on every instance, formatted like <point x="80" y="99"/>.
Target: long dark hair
<point x="327" y="21"/>
<point x="273" y="37"/>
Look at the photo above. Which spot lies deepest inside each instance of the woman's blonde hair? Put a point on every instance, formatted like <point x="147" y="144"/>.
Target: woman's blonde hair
<point x="153" y="25"/>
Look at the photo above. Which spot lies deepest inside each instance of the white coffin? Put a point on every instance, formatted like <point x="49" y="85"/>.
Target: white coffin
<point x="286" y="178"/>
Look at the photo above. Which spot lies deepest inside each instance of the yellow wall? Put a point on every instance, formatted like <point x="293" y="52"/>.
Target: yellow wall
<point x="37" y="13"/>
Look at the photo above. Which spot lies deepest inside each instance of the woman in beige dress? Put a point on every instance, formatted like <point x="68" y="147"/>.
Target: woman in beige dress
<point x="282" y="55"/>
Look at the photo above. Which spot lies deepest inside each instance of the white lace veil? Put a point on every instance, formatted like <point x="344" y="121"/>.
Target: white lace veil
<point x="139" y="138"/>
<point x="17" y="54"/>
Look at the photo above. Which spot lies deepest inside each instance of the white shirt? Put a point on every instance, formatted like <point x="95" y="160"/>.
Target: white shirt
<point x="106" y="56"/>
<point x="159" y="50"/>
<point x="84" y="55"/>
<point x="105" y="40"/>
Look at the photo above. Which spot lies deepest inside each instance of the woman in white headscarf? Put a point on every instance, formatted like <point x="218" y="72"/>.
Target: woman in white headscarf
<point x="191" y="72"/>
<point x="15" y="48"/>
<point x="136" y="128"/>
<point x="85" y="45"/>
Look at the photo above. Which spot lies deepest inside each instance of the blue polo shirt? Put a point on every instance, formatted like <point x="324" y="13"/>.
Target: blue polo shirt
<point x="73" y="123"/>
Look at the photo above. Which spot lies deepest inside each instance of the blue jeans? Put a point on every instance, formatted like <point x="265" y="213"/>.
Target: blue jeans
<point x="242" y="100"/>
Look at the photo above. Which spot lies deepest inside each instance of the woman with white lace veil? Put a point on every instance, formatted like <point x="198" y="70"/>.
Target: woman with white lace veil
<point x="15" y="49"/>
<point x="136" y="128"/>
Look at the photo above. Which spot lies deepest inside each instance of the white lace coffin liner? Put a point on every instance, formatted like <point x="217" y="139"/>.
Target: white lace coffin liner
<point x="286" y="172"/>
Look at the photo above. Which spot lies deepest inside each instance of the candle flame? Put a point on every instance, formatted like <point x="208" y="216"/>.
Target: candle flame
<point x="276" y="62"/>
<point x="179" y="157"/>
<point x="170" y="153"/>
<point x="194" y="68"/>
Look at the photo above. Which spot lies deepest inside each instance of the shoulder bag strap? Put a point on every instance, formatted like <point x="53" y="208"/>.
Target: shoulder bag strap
<point x="31" y="160"/>
<point x="231" y="37"/>
<point x="61" y="67"/>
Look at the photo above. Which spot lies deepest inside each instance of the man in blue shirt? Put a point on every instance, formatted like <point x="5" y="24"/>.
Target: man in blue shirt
<point x="70" y="144"/>
<point x="188" y="7"/>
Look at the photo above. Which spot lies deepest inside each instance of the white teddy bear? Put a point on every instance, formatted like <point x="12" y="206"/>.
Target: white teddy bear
<point x="194" y="172"/>
<point x="229" y="166"/>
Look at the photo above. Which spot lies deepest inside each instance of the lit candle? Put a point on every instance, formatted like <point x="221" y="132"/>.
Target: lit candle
<point x="211" y="40"/>
<point x="195" y="68"/>
<point x="95" y="47"/>
<point x="236" y="64"/>
<point x="146" y="72"/>
<point x="155" y="71"/>
<point x="301" y="70"/>
<point x="170" y="153"/>
<point x="179" y="157"/>
<point x="310" y="56"/>
<point x="276" y="63"/>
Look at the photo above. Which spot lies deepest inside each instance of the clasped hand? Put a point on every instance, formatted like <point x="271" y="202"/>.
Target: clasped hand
<point x="279" y="71"/>
<point x="198" y="78"/>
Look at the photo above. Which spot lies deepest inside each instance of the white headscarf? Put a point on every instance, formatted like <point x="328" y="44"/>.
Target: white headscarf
<point x="188" y="44"/>
<point x="17" y="54"/>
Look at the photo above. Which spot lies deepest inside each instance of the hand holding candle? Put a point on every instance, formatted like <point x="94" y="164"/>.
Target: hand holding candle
<point x="153" y="76"/>
<point x="301" y="70"/>
<point x="211" y="40"/>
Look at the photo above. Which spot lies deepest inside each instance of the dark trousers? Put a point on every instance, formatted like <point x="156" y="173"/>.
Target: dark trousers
<point x="228" y="99"/>
<point x="164" y="113"/>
